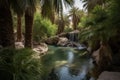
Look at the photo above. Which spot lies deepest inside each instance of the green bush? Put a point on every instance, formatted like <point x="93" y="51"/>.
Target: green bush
<point x="43" y="28"/>
<point x="19" y="65"/>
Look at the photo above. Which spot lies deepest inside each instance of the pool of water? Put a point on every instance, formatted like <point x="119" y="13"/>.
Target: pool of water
<point x="71" y="64"/>
<point x="77" y="68"/>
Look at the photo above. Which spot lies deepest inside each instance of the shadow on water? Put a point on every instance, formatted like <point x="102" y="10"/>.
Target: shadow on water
<point x="66" y="64"/>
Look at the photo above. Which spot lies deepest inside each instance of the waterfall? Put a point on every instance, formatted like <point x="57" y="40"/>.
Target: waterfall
<point x="73" y="37"/>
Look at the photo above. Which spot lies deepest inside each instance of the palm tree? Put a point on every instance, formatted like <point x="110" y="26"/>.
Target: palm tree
<point x="76" y="14"/>
<point x="18" y="7"/>
<point x="6" y="25"/>
<point x="28" y="7"/>
<point x="19" y="30"/>
<point x="29" y="17"/>
<point x="90" y="4"/>
<point x="66" y="20"/>
<point x="49" y="8"/>
<point x="58" y="4"/>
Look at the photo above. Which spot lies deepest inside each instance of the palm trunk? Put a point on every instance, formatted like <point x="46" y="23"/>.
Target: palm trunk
<point x="28" y="28"/>
<point x="19" y="31"/>
<point x="6" y="25"/>
<point x="61" y="24"/>
<point x="74" y="22"/>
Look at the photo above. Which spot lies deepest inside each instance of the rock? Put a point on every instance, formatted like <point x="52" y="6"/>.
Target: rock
<point x="62" y="41"/>
<point x="41" y="48"/>
<point x="52" y="41"/>
<point x="19" y="45"/>
<point x="102" y="56"/>
<point x="95" y="56"/>
<point x="89" y="49"/>
<point x="109" y="76"/>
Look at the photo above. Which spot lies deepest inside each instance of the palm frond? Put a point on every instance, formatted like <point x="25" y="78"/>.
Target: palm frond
<point x="18" y="6"/>
<point x="20" y="64"/>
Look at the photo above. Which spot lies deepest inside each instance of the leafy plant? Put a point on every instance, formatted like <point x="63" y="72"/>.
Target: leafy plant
<point x="19" y="65"/>
<point x="43" y="28"/>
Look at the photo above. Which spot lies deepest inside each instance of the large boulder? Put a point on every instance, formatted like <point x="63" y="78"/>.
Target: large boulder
<point x="42" y="48"/>
<point x="96" y="56"/>
<point x="109" y="76"/>
<point x="52" y="40"/>
<point x="62" y="41"/>
<point x="19" y="45"/>
<point x="102" y="55"/>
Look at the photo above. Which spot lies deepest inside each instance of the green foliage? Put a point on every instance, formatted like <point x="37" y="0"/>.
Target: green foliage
<point x="43" y="28"/>
<point x="95" y="22"/>
<point x="102" y="23"/>
<point x="114" y="17"/>
<point x="19" y="65"/>
<point x="83" y="21"/>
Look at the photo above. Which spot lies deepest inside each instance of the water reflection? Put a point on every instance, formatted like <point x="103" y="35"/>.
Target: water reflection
<point x="77" y="72"/>
<point x="70" y="57"/>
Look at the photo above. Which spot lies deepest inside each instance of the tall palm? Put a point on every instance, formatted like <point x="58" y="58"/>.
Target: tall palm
<point x="90" y="4"/>
<point x="58" y="4"/>
<point x="18" y="7"/>
<point x="6" y="25"/>
<point x="66" y="20"/>
<point x="47" y="10"/>
<point x="28" y="7"/>
<point x="29" y="17"/>
<point x="76" y="14"/>
<point x="19" y="30"/>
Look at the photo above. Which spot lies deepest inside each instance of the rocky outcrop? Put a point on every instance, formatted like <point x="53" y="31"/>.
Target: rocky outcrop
<point x="42" y="48"/>
<point x="96" y="56"/>
<point x="102" y="55"/>
<point x="19" y="45"/>
<point x="62" y="41"/>
<point x="109" y="76"/>
<point x="52" y="41"/>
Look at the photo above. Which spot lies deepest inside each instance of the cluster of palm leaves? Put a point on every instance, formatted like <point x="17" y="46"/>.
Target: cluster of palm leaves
<point x="102" y="21"/>
<point x="19" y="65"/>
<point x="76" y="15"/>
<point x="50" y="8"/>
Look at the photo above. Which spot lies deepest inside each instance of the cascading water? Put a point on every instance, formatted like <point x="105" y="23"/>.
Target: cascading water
<point x="73" y="37"/>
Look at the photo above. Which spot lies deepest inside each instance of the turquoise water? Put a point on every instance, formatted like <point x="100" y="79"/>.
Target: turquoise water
<point x="74" y="70"/>
<point x="76" y="66"/>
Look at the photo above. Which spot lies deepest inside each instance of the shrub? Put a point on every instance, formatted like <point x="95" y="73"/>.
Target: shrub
<point x="43" y="28"/>
<point x="19" y="65"/>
